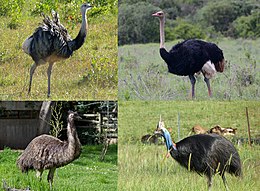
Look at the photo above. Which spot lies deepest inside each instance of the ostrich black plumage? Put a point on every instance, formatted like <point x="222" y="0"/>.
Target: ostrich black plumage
<point x="191" y="56"/>
<point x="207" y="154"/>
<point x="51" y="42"/>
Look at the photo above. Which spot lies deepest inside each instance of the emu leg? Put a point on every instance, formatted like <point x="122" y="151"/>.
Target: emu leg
<point x="208" y="86"/>
<point x="50" y="176"/>
<point x="33" y="67"/>
<point x="209" y="175"/>
<point x="192" y="81"/>
<point x="49" y="78"/>
<point x="39" y="174"/>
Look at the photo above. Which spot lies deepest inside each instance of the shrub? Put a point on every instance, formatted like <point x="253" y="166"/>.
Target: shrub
<point x="246" y="26"/>
<point x="184" y="30"/>
<point x="136" y="25"/>
<point x="12" y="9"/>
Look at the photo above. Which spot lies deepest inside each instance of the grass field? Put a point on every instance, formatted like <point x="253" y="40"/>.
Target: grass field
<point x="143" y="75"/>
<point x="85" y="173"/>
<point x="143" y="167"/>
<point x="90" y="74"/>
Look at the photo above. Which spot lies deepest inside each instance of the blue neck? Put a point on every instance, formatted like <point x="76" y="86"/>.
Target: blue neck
<point x="168" y="139"/>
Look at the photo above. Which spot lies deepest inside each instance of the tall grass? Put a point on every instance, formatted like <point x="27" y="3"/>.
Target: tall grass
<point x="144" y="75"/>
<point x="91" y="72"/>
<point x="85" y="173"/>
<point x="144" y="167"/>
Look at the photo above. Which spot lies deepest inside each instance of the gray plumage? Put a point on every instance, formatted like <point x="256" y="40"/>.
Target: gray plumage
<point x="51" y="42"/>
<point x="48" y="152"/>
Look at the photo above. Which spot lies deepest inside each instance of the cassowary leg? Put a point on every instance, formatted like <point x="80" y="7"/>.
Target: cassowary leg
<point x="50" y="176"/>
<point x="224" y="181"/>
<point x="209" y="175"/>
<point x="39" y="174"/>
<point x="208" y="86"/>
<point x="49" y="78"/>
<point x="192" y="81"/>
<point x="33" y="67"/>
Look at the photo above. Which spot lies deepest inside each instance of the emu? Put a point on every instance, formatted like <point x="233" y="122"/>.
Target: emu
<point x="207" y="154"/>
<point x="191" y="56"/>
<point x="48" y="152"/>
<point x="51" y="43"/>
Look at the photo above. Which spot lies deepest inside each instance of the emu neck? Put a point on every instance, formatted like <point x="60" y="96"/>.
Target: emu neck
<point x="162" y="38"/>
<point x="73" y="140"/>
<point x="80" y="39"/>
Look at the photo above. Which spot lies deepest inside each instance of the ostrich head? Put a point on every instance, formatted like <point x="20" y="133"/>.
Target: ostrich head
<point x="73" y="116"/>
<point x="85" y="7"/>
<point x="159" y="14"/>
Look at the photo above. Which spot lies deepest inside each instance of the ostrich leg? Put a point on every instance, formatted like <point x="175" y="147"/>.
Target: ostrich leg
<point x="49" y="78"/>
<point x="50" y="176"/>
<point x="192" y="81"/>
<point x="33" y="67"/>
<point x="208" y="86"/>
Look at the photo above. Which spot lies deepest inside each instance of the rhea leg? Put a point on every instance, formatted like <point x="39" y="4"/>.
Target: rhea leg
<point x="208" y="85"/>
<point x="49" y="78"/>
<point x="50" y="176"/>
<point x="33" y="67"/>
<point x="192" y="81"/>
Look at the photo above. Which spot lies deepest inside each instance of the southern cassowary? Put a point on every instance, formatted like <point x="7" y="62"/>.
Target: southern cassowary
<point x="191" y="56"/>
<point x="207" y="154"/>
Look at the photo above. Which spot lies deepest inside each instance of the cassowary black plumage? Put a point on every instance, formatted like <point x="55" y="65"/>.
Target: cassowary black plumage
<point x="207" y="154"/>
<point x="191" y="56"/>
<point x="51" y="42"/>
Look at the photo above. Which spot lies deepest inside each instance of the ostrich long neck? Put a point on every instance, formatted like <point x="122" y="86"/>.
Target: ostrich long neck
<point x="162" y="38"/>
<point x="80" y="39"/>
<point x="73" y="140"/>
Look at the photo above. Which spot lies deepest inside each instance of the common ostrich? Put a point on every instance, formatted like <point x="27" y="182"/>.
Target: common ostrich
<point x="51" y="42"/>
<point x="191" y="56"/>
<point x="207" y="154"/>
<point x="48" y="152"/>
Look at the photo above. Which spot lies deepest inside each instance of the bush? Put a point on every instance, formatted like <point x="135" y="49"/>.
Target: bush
<point x="220" y="14"/>
<point x="136" y="24"/>
<point x="12" y="9"/>
<point x="184" y="30"/>
<point x="246" y="26"/>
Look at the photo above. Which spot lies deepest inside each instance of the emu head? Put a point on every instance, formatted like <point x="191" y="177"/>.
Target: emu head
<point x="73" y="116"/>
<point x="85" y="7"/>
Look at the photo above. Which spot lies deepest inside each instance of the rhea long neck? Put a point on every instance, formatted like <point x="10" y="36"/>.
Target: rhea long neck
<point x="162" y="38"/>
<point x="80" y="39"/>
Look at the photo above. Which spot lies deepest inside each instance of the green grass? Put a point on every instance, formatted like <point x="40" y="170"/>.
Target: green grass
<point x="144" y="75"/>
<point x="91" y="72"/>
<point x="143" y="167"/>
<point x="85" y="173"/>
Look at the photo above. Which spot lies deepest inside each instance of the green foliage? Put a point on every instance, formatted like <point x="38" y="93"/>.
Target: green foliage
<point x="246" y="26"/>
<point x="136" y="25"/>
<point x="184" y="30"/>
<point x="44" y="6"/>
<point x="12" y="9"/>
<point x="221" y="14"/>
